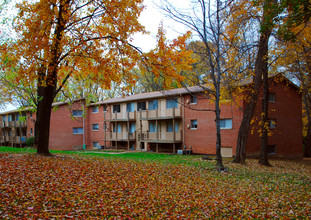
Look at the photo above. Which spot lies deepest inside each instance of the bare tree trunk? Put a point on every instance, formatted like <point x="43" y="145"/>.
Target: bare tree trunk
<point x="251" y="104"/>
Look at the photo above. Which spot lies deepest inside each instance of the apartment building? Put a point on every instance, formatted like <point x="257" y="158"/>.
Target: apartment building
<point x="167" y="121"/>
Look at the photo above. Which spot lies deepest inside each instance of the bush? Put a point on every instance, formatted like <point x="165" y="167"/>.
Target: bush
<point x="30" y="141"/>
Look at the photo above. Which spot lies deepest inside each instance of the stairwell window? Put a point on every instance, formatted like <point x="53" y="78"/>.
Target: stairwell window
<point x="77" y="113"/>
<point x="193" y="99"/>
<point x="271" y="97"/>
<point x="194" y="124"/>
<point x="77" y="130"/>
<point x="95" y="109"/>
<point x="95" y="127"/>
<point x="225" y="123"/>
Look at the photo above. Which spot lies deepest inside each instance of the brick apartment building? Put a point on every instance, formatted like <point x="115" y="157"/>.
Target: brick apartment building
<point x="165" y="122"/>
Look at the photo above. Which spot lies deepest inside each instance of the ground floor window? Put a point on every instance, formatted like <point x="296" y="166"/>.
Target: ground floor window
<point x="96" y="145"/>
<point x="225" y="123"/>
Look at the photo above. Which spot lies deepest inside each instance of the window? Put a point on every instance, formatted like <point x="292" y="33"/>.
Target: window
<point x="77" y="130"/>
<point x="153" y="105"/>
<point x="116" y="108"/>
<point x="95" y="127"/>
<point x="194" y="124"/>
<point x="105" y="108"/>
<point x="132" y="127"/>
<point x="18" y="117"/>
<point x="169" y="126"/>
<point x="225" y="123"/>
<point x="77" y="113"/>
<point x="31" y="131"/>
<point x="271" y="149"/>
<point x="116" y="127"/>
<point x="95" y="109"/>
<point x="96" y="145"/>
<point x="272" y="123"/>
<point x="171" y="103"/>
<point x="152" y="126"/>
<point x="193" y="99"/>
<point x="130" y="107"/>
<point x="30" y="114"/>
<point x="4" y="118"/>
<point x="141" y="106"/>
<point x="271" y="97"/>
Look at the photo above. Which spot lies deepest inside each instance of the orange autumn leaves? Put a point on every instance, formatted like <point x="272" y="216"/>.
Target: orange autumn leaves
<point x="169" y="61"/>
<point x="76" y="187"/>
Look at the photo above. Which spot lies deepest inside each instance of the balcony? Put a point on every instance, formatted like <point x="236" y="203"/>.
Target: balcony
<point x="160" y="114"/>
<point x="1" y="139"/>
<point x="161" y="137"/>
<point x="4" y="124"/>
<point x="20" y="139"/>
<point x="121" y="136"/>
<point x="120" y="116"/>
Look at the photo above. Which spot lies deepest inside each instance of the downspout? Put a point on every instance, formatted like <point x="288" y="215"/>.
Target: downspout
<point x="84" y="147"/>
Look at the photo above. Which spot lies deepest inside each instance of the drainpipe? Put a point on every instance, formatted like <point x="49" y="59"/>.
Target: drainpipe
<point x="84" y="147"/>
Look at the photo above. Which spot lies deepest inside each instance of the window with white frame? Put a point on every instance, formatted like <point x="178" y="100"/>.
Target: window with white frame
<point x="95" y="127"/>
<point x="226" y="123"/>
<point x="77" y="130"/>
<point x="77" y="113"/>
<point x="194" y="124"/>
<point x="193" y="99"/>
<point x="96" y="145"/>
<point x="271" y="97"/>
<point x="95" y="109"/>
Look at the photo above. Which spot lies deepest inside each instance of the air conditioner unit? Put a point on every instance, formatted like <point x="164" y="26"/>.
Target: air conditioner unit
<point x="188" y="101"/>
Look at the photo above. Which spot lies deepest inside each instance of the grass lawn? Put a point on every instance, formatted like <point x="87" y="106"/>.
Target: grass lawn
<point x="73" y="185"/>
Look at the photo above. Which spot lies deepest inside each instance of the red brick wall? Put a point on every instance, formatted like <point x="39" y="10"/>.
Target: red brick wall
<point x="287" y="112"/>
<point x="96" y="118"/>
<point x="203" y="139"/>
<point x="61" y="127"/>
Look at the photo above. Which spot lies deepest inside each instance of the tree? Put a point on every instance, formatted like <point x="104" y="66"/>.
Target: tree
<point x="207" y="21"/>
<point x="260" y="69"/>
<point x="295" y="59"/>
<point x="57" y="39"/>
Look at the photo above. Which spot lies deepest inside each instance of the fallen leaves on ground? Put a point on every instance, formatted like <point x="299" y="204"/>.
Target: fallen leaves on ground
<point x="73" y="187"/>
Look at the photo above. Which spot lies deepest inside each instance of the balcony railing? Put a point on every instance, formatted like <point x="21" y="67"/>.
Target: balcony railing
<point x="121" y="136"/>
<point x="20" y="139"/>
<point x="13" y="124"/>
<point x="120" y="116"/>
<point x="169" y="137"/>
<point x="160" y="113"/>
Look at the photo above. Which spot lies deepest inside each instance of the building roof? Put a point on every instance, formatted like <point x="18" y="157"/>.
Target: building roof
<point x="152" y="95"/>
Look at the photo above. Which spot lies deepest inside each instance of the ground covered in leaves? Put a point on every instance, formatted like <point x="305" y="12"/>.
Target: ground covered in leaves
<point x="73" y="186"/>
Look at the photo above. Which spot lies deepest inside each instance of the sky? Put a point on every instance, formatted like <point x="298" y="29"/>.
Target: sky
<point x="151" y="18"/>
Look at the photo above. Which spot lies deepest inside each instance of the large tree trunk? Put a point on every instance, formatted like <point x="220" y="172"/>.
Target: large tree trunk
<point x="251" y="104"/>
<point x="263" y="159"/>
<point x="44" y="116"/>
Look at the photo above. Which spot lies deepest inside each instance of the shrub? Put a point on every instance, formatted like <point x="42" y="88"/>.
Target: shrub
<point x="30" y="141"/>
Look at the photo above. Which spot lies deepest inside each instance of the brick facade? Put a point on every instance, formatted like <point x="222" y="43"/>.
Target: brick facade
<point x="166" y="122"/>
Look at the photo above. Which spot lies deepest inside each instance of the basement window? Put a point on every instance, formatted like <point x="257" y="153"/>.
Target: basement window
<point x="271" y="149"/>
